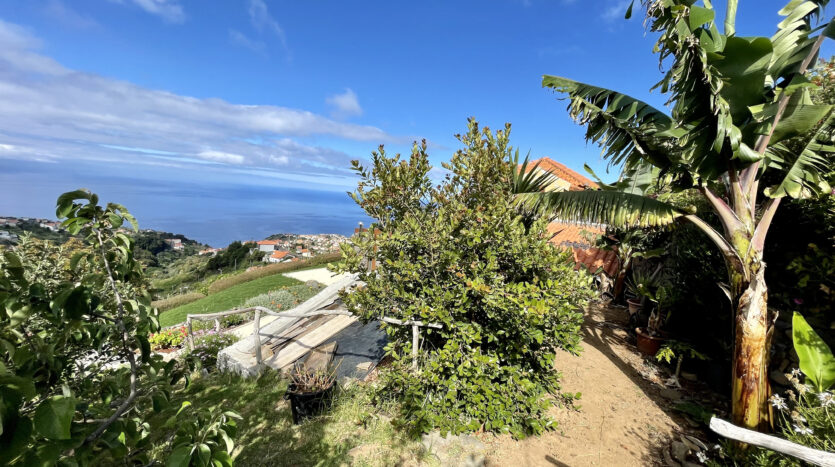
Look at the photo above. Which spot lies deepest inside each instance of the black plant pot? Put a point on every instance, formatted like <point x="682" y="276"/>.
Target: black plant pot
<point x="306" y="405"/>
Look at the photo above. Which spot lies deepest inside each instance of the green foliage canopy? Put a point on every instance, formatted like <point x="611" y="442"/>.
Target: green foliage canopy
<point x="460" y="254"/>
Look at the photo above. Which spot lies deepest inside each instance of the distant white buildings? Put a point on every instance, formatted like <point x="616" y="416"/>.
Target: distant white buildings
<point x="175" y="243"/>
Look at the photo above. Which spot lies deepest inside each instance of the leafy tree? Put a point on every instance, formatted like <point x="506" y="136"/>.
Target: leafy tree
<point x="460" y="254"/>
<point x="77" y="378"/>
<point x="735" y="104"/>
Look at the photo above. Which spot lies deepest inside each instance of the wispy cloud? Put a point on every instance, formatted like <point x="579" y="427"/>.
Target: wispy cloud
<point x="344" y="105"/>
<point x="51" y="112"/>
<point x="615" y="11"/>
<point x="263" y="21"/>
<point x="169" y="10"/>
<point x="239" y="38"/>
<point x="59" y="11"/>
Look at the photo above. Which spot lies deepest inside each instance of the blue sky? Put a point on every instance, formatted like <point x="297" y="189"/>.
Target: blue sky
<point x="204" y="113"/>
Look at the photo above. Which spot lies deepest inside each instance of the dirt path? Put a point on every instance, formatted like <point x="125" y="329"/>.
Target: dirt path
<point x="624" y="418"/>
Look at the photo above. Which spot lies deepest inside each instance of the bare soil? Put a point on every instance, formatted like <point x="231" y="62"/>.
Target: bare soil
<point x="625" y="414"/>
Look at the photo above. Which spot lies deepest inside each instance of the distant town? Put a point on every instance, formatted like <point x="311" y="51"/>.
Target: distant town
<point x="277" y="248"/>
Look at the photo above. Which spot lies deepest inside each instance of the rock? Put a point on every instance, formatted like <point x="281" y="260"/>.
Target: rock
<point x="691" y="464"/>
<point x="701" y="445"/>
<point x="668" y="460"/>
<point x="679" y="451"/>
<point x="313" y="284"/>
<point x="779" y="378"/>
<point x="670" y="394"/>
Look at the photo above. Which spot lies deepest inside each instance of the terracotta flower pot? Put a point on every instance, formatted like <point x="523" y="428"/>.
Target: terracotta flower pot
<point x="634" y="306"/>
<point x="648" y="345"/>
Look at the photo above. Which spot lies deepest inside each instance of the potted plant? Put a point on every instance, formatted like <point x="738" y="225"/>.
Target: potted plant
<point x="638" y="289"/>
<point x="651" y="337"/>
<point x="310" y="391"/>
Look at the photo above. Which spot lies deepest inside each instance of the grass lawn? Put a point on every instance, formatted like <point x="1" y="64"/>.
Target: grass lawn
<point x="226" y="299"/>
<point x="267" y="436"/>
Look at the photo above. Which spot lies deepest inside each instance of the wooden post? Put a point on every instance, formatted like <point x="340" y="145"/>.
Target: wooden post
<point x="190" y="335"/>
<point x="217" y="325"/>
<point x="812" y="456"/>
<point x="415" y="344"/>
<point x="256" y="336"/>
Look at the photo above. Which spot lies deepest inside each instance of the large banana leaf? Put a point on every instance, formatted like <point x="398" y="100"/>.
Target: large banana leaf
<point x="613" y="208"/>
<point x="628" y="130"/>
<point x="805" y="171"/>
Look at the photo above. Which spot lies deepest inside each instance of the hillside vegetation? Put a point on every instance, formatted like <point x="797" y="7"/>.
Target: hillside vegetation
<point x="226" y="299"/>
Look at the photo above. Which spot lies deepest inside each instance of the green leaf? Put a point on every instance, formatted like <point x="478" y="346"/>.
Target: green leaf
<point x="204" y="454"/>
<point x="54" y="417"/>
<point x="65" y="201"/>
<point x="180" y="457"/>
<point x="700" y="16"/>
<point x="816" y="359"/>
<point x="745" y="153"/>
<point x="613" y="208"/>
<point x="629" y="10"/>
<point x="223" y="459"/>
<point x="18" y="443"/>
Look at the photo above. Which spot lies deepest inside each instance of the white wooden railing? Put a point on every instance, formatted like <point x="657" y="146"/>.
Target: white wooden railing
<point x="311" y="307"/>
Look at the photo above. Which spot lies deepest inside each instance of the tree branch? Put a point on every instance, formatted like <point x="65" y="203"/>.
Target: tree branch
<point x="128" y="352"/>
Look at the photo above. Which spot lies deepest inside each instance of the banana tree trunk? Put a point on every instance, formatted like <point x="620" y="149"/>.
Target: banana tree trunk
<point x="752" y="344"/>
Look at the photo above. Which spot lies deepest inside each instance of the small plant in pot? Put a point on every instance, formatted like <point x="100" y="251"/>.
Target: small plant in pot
<point x="310" y="391"/>
<point x="651" y="337"/>
<point x="638" y="290"/>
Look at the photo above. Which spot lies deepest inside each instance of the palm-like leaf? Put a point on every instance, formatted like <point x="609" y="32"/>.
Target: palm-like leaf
<point x="613" y="208"/>
<point x="628" y="130"/>
<point x="529" y="179"/>
<point x="806" y="170"/>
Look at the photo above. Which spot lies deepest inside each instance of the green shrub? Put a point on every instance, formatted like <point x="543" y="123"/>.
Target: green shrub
<point x="269" y="270"/>
<point x="168" y="338"/>
<point x="283" y="299"/>
<point x="176" y="300"/>
<point x="204" y="354"/>
<point x="460" y="254"/>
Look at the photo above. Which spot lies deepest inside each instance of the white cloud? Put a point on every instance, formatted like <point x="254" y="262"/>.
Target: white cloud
<point x="59" y="11"/>
<point x="262" y="20"/>
<point x="345" y="105"/>
<point x="238" y="38"/>
<point x="169" y="10"/>
<point x="615" y="11"/>
<point x="59" y="113"/>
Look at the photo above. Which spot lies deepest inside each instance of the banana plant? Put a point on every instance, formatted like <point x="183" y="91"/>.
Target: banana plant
<point x="738" y="108"/>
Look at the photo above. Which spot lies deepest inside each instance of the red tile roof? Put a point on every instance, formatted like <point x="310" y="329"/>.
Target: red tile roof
<point x="267" y="242"/>
<point x="579" y="238"/>
<point x="279" y="254"/>
<point x="577" y="181"/>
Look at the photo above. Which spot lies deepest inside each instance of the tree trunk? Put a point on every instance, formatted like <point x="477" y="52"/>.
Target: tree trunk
<point x="753" y="330"/>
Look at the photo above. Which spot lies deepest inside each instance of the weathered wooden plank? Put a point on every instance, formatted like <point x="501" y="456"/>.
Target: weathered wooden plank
<point x="320" y="357"/>
<point x="299" y="347"/>
<point x="813" y="456"/>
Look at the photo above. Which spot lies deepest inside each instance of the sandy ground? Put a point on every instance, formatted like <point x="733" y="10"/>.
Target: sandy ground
<point x="623" y="418"/>
<point x="320" y="275"/>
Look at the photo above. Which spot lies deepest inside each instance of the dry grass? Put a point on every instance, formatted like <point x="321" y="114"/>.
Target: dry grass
<point x="176" y="300"/>
<point x="264" y="271"/>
